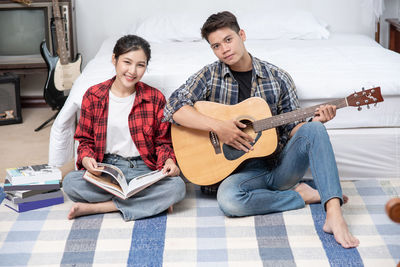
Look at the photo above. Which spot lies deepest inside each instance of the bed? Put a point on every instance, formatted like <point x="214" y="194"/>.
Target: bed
<point x="324" y="66"/>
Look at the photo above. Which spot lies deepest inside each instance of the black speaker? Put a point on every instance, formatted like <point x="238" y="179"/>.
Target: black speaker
<point x="10" y="105"/>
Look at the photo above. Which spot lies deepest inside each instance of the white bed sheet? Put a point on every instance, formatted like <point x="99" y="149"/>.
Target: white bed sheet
<point x="322" y="70"/>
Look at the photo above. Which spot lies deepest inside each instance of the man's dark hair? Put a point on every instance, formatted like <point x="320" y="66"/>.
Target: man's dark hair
<point x="218" y="21"/>
<point x="130" y="43"/>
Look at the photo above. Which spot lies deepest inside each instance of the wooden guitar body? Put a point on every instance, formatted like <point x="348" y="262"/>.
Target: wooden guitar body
<point x="191" y="146"/>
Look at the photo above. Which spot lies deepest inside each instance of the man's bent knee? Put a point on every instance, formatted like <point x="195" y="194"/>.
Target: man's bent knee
<point x="230" y="205"/>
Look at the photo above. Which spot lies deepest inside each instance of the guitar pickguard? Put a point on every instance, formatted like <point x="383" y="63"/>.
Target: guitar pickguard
<point x="231" y="153"/>
<point x="65" y="75"/>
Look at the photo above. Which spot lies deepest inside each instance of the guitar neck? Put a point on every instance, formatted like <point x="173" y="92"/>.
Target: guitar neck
<point x="297" y="115"/>
<point x="62" y="53"/>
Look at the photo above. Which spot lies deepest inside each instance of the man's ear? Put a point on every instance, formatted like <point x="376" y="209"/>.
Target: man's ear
<point x="242" y="35"/>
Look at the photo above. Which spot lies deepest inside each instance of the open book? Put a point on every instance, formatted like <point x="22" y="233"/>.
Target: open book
<point x="113" y="180"/>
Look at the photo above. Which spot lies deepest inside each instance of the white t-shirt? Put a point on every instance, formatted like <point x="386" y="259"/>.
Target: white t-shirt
<point x="119" y="140"/>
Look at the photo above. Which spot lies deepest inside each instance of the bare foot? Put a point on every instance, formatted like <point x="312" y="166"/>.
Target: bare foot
<point x="345" y="199"/>
<point x="311" y="195"/>
<point x="170" y="209"/>
<point x="307" y="193"/>
<point x="79" y="209"/>
<point x="336" y="225"/>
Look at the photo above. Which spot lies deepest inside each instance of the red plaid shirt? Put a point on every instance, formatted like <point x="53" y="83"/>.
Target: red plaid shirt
<point x="151" y="136"/>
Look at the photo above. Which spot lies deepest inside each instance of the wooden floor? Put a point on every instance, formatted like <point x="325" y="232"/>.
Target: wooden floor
<point x="20" y="145"/>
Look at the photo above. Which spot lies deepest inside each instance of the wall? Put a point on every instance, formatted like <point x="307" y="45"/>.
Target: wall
<point x="392" y="10"/>
<point x="98" y="19"/>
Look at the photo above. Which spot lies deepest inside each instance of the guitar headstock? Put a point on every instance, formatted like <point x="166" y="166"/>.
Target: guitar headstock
<point x="365" y="97"/>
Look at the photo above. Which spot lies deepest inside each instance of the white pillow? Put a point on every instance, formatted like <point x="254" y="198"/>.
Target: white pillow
<point x="294" y="24"/>
<point x="171" y="27"/>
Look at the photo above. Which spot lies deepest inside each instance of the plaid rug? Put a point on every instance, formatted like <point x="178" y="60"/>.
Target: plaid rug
<point x="198" y="234"/>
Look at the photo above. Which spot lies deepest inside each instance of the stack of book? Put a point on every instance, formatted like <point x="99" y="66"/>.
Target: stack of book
<point x="32" y="187"/>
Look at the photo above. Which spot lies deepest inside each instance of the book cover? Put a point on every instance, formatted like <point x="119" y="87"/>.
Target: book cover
<point x="22" y="207"/>
<point x="47" y="185"/>
<point x="47" y="195"/>
<point x="113" y="180"/>
<point x="33" y="173"/>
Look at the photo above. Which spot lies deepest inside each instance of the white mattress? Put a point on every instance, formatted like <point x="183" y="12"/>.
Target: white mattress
<point x="322" y="70"/>
<point x="366" y="153"/>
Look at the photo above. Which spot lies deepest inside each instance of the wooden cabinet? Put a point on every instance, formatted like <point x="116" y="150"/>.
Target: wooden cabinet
<point x="20" y="52"/>
<point x="394" y="34"/>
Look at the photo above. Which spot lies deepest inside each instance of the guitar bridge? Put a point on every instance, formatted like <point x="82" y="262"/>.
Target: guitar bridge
<point x="215" y="142"/>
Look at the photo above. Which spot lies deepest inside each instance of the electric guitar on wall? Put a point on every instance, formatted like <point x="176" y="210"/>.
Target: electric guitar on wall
<point x="61" y="72"/>
<point x="205" y="161"/>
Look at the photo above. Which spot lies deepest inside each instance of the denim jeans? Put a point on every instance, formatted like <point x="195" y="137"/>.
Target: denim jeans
<point x="148" y="202"/>
<point x="254" y="189"/>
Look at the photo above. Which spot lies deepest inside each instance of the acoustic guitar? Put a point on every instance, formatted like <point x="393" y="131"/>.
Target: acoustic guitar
<point x="61" y="72"/>
<point x="205" y="161"/>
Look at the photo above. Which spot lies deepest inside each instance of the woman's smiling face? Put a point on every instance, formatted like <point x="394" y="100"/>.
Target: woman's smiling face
<point x="130" y="68"/>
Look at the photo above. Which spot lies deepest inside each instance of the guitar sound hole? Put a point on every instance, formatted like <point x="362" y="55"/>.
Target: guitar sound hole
<point x="231" y="153"/>
<point x="249" y="127"/>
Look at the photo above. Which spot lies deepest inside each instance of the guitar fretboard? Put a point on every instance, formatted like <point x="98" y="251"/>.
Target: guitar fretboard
<point x="62" y="53"/>
<point x="289" y="117"/>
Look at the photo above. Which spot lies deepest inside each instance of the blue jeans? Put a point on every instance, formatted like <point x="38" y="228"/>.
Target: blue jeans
<point x="148" y="202"/>
<point x="255" y="190"/>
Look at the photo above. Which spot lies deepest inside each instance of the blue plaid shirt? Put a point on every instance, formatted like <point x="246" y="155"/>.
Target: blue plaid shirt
<point x="216" y="83"/>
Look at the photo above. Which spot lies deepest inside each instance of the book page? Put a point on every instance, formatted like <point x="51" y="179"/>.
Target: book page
<point x="109" y="171"/>
<point x="141" y="182"/>
<point x="107" y="181"/>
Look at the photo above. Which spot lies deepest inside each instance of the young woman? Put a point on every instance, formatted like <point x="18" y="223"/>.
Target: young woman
<point x="120" y="124"/>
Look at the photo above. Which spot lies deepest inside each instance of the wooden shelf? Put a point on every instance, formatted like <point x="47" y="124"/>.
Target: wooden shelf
<point x="394" y="34"/>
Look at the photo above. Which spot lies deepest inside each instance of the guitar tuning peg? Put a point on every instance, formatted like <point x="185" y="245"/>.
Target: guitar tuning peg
<point x="359" y="108"/>
<point x="375" y="104"/>
<point x="367" y="106"/>
<point x="362" y="88"/>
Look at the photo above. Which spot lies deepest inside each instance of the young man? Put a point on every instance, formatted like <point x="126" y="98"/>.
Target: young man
<point x="262" y="186"/>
